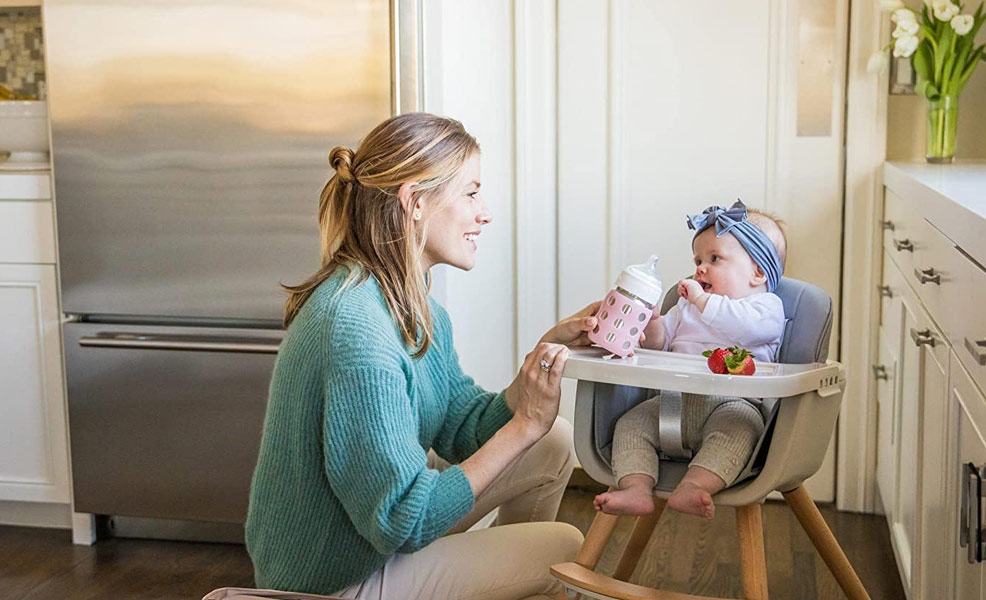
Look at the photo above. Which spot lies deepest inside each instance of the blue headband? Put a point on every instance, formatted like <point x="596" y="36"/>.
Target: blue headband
<point x="751" y="237"/>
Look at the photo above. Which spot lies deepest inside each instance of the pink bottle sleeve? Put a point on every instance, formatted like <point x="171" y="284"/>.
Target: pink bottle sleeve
<point x="621" y="321"/>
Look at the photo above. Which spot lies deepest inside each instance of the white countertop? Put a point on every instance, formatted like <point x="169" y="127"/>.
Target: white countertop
<point x="952" y="197"/>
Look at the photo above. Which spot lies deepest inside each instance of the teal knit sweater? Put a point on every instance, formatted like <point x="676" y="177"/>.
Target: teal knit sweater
<point x="342" y="482"/>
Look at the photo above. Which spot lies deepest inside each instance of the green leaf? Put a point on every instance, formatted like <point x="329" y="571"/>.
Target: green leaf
<point x="968" y="72"/>
<point x="929" y="35"/>
<point x="940" y="53"/>
<point x="949" y="63"/>
<point x="955" y="72"/>
<point x="927" y="89"/>
<point x="921" y="61"/>
<point x="926" y="16"/>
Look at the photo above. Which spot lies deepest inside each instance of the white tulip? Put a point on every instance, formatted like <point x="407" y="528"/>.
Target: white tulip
<point x="877" y="63"/>
<point x="903" y="14"/>
<point x="944" y="9"/>
<point x="962" y="24"/>
<point x="906" y="28"/>
<point x="891" y="5"/>
<point x="905" y="46"/>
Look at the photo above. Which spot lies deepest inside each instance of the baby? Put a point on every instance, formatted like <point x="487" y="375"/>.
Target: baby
<point x="739" y="258"/>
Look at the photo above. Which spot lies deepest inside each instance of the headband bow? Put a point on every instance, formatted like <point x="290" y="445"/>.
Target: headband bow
<point x="752" y="238"/>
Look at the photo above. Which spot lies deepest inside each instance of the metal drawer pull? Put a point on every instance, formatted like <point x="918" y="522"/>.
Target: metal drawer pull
<point x="148" y="342"/>
<point x="887" y="225"/>
<point x="971" y="514"/>
<point x="885" y="291"/>
<point x="977" y="349"/>
<point x="923" y="338"/>
<point x="880" y="372"/>
<point x="904" y="245"/>
<point x="928" y="275"/>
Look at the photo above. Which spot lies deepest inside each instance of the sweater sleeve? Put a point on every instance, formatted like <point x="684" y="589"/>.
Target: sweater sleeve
<point x="750" y="321"/>
<point x="373" y="459"/>
<point x="474" y="414"/>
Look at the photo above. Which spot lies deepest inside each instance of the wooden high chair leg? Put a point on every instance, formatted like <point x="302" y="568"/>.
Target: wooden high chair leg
<point x="753" y="562"/>
<point x="642" y="531"/>
<point x="828" y="547"/>
<point x="595" y="540"/>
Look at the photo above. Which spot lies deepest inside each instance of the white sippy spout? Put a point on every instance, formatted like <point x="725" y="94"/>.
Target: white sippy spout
<point x="643" y="281"/>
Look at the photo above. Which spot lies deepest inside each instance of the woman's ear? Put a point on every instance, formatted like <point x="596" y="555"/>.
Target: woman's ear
<point x="405" y="194"/>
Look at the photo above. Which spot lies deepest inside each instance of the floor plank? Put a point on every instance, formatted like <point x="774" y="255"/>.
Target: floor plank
<point x="685" y="554"/>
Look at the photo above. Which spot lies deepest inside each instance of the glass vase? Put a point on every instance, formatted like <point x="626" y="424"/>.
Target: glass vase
<point x="943" y="118"/>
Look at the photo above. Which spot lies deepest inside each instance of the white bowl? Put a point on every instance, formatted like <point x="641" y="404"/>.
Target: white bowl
<point x="24" y="130"/>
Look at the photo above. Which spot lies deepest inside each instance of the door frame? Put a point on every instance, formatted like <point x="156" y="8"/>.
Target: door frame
<point x="865" y="151"/>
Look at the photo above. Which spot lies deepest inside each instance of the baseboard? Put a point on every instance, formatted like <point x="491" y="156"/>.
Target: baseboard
<point x="36" y="514"/>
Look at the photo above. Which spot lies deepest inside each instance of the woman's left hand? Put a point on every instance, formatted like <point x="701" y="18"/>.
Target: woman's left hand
<point x="574" y="330"/>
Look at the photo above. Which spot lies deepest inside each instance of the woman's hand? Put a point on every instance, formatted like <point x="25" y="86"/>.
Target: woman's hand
<point x="574" y="330"/>
<point x="535" y="393"/>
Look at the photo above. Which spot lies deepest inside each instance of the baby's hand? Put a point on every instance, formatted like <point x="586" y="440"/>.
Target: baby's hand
<point x="689" y="289"/>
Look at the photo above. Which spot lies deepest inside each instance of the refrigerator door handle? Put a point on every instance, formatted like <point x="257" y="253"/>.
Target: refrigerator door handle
<point x="152" y="342"/>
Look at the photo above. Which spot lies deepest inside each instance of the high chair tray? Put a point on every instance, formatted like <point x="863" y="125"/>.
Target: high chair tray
<point x="690" y="373"/>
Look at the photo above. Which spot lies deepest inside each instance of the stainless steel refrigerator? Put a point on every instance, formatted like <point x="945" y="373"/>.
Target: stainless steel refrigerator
<point x="190" y="143"/>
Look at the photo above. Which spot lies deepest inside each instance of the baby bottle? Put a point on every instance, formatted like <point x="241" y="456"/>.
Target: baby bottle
<point x="627" y="308"/>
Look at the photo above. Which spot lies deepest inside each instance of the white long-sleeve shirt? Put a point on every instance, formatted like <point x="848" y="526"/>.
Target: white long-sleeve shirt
<point x="755" y="322"/>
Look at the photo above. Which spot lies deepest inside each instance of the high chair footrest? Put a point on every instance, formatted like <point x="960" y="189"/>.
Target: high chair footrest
<point x="584" y="580"/>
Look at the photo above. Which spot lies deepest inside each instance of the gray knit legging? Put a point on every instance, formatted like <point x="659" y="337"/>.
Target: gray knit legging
<point x="721" y="431"/>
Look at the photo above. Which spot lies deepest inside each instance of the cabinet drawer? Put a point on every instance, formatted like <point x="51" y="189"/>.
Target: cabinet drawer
<point x="935" y="272"/>
<point x="901" y="230"/>
<point x="965" y="318"/>
<point x="27" y="232"/>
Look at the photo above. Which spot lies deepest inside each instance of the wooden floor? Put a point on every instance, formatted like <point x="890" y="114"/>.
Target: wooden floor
<point x="685" y="554"/>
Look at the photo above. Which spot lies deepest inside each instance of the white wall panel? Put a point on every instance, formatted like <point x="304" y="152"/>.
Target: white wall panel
<point x="694" y="119"/>
<point x="469" y="76"/>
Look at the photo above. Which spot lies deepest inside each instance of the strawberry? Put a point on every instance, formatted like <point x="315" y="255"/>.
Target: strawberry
<point x="740" y="362"/>
<point x="717" y="360"/>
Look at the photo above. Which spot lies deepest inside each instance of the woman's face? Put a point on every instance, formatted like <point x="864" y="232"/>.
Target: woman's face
<point x="456" y="220"/>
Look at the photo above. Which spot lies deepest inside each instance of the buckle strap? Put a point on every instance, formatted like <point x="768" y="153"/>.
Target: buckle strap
<point x="669" y="428"/>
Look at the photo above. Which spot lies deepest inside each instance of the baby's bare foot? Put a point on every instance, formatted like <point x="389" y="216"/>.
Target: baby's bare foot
<point x="633" y="502"/>
<point x="690" y="499"/>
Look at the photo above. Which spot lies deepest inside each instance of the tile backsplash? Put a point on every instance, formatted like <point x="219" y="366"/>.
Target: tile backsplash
<point x="22" y="66"/>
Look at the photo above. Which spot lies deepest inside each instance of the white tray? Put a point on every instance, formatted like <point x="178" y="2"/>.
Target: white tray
<point x="690" y="373"/>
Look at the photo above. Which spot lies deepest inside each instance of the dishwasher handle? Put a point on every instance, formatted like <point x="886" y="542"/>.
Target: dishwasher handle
<point x="257" y="345"/>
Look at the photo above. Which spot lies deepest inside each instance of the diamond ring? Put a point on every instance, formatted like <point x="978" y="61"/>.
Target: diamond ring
<point x="545" y="366"/>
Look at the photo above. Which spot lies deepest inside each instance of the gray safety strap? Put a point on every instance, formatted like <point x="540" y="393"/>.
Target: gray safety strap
<point x="669" y="428"/>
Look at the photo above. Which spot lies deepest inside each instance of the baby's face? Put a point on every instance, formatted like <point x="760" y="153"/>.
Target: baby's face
<point x="724" y="267"/>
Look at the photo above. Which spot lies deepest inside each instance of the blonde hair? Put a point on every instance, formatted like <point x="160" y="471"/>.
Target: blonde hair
<point x="773" y="227"/>
<point x="364" y="226"/>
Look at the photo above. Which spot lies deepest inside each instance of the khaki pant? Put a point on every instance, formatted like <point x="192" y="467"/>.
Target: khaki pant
<point x="506" y="562"/>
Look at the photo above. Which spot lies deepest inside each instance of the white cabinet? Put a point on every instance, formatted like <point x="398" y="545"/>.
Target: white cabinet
<point x="911" y="389"/>
<point x="933" y="357"/>
<point x="931" y="373"/>
<point x="34" y="469"/>
<point x="33" y="449"/>
<point x="967" y="411"/>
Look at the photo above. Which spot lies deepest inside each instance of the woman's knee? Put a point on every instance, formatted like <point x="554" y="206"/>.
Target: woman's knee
<point x="561" y="542"/>
<point x="558" y="445"/>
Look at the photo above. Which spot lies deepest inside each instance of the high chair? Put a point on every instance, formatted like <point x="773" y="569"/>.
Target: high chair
<point x="802" y="395"/>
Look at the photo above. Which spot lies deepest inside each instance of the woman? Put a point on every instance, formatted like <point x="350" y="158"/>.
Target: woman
<point x="345" y="498"/>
